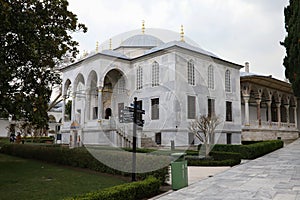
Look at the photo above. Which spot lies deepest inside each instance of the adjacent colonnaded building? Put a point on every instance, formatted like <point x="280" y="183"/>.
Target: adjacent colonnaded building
<point x="174" y="82"/>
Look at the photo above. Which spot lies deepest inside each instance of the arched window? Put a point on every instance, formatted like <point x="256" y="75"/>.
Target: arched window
<point x="139" y="78"/>
<point x="191" y="72"/>
<point x="155" y="74"/>
<point x="227" y="81"/>
<point x="211" y="78"/>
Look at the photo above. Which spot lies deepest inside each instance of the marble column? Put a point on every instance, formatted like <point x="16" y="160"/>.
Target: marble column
<point x="295" y="115"/>
<point x="278" y="104"/>
<point x="269" y="103"/>
<point x="63" y="110"/>
<point x="246" y="99"/>
<point x="87" y="108"/>
<point x="83" y="114"/>
<point x="73" y="107"/>
<point x="258" y="111"/>
<point x="287" y="107"/>
<point x="100" y="104"/>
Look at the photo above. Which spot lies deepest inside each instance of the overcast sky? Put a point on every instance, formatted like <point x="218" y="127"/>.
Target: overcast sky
<point x="235" y="30"/>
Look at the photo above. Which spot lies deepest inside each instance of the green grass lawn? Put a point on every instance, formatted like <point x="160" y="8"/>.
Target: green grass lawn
<point x="29" y="179"/>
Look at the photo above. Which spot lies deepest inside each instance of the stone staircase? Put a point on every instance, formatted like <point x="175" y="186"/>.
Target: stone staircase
<point x="124" y="141"/>
<point x="147" y="142"/>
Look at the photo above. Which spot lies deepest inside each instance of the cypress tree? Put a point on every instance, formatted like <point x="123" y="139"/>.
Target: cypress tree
<point x="292" y="44"/>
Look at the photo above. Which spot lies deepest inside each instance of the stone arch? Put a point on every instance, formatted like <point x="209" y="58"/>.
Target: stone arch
<point x="52" y="119"/>
<point x="283" y="109"/>
<point x="114" y="89"/>
<point x="79" y="80"/>
<point x="78" y="98"/>
<point x="92" y="96"/>
<point x="92" y="79"/>
<point x="66" y="87"/>
<point x="107" y="72"/>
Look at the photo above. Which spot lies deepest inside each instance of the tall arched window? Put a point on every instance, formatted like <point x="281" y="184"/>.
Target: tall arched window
<point x="211" y="78"/>
<point x="191" y="72"/>
<point x="227" y="81"/>
<point x="139" y="78"/>
<point x="155" y="74"/>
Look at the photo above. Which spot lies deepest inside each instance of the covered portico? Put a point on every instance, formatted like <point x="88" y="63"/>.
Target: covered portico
<point x="269" y="109"/>
<point x="95" y="98"/>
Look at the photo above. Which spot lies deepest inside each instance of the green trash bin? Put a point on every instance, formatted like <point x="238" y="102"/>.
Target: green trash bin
<point x="179" y="172"/>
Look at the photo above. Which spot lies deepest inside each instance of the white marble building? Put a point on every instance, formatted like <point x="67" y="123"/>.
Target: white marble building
<point x="174" y="82"/>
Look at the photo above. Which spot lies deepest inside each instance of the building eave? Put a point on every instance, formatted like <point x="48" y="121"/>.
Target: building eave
<point x="268" y="82"/>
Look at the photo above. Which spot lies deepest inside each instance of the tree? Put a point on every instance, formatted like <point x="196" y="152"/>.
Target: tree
<point x="34" y="39"/>
<point x="203" y="127"/>
<point x="292" y="45"/>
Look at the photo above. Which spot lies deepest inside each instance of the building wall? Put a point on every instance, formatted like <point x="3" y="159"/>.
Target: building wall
<point x="172" y="92"/>
<point x="3" y="130"/>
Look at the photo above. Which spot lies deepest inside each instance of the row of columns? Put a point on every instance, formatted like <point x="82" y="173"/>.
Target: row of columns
<point x="86" y="106"/>
<point x="246" y="97"/>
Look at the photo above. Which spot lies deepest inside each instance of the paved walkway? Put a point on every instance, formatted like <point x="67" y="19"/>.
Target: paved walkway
<point x="273" y="176"/>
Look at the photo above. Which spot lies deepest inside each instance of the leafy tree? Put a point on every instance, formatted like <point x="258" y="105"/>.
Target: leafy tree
<point x="203" y="127"/>
<point x="292" y="45"/>
<point x="34" y="38"/>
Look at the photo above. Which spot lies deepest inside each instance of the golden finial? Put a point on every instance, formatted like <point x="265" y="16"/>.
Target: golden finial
<point x="97" y="47"/>
<point x="182" y="34"/>
<point x="110" y="44"/>
<point x="143" y="27"/>
<point x="85" y="53"/>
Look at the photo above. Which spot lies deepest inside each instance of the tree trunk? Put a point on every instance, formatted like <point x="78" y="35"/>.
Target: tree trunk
<point x="207" y="150"/>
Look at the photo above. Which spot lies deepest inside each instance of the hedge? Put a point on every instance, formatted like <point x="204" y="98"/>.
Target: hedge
<point x="129" y="191"/>
<point x="199" y="162"/>
<point x="81" y="157"/>
<point x="251" y="151"/>
<point x="39" y="139"/>
<point x="219" y="155"/>
<point x="215" y="159"/>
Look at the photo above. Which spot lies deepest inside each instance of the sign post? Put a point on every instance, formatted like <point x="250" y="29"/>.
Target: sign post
<point x="133" y="177"/>
<point x="136" y="122"/>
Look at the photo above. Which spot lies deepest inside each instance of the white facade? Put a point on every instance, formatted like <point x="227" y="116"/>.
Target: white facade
<point x="174" y="83"/>
<point x="4" y="123"/>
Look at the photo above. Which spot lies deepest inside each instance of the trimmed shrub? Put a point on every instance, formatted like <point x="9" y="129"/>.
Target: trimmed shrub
<point x="39" y="139"/>
<point x="79" y="157"/>
<point x="250" y="142"/>
<point x="251" y="151"/>
<point x="220" y="155"/>
<point x="138" y="150"/>
<point x="216" y="159"/>
<point x="199" y="162"/>
<point x="129" y="191"/>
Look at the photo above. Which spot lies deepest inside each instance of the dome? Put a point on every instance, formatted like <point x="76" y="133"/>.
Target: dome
<point x="142" y="40"/>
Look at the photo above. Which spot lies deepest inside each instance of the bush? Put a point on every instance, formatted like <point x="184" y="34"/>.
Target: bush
<point x="215" y="159"/>
<point x="199" y="162"/>
<point x="139" y="150"/>
<point x="251" y="151"/>
<point x="129" y="191"/>
<point x="79" y="157"/>
<point x="219" y="155"/>
<point x="39" y="139"/>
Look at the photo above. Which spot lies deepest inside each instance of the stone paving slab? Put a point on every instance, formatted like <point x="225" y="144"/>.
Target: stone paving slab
<point x="273" y="176"/>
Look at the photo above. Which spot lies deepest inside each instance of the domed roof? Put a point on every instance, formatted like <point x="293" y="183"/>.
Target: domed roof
<point x="142" y="40"/>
